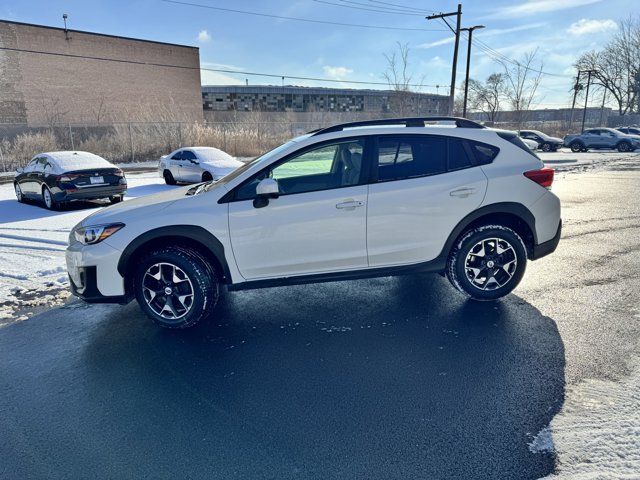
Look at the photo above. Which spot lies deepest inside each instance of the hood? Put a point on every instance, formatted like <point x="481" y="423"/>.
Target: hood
<point x="137" y="207"/>
<point x="554" y="139"/>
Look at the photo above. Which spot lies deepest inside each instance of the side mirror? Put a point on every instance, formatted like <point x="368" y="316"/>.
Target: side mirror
<point x="19" y="170"/>
<point x="195" y="162"/>
<point x="266" y="189"/>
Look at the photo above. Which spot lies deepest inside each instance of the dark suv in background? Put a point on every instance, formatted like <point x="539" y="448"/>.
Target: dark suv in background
<point x="546" y="143"/>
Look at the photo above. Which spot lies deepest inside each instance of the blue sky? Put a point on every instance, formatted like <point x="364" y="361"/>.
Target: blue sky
<point x="559" y="29"/>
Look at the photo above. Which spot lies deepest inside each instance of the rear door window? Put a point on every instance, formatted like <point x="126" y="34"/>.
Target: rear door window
<point x="401" y="157"/>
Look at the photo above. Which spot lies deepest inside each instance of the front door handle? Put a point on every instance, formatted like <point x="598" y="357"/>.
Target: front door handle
<point x="349" y="205"/>
<point x="462" y="192"/>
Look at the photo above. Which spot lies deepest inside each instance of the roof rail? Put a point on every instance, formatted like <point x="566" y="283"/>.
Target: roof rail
<point x="407" y="122"/>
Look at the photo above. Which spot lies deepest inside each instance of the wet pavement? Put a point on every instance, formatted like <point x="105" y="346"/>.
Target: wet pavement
<point x="386" y="378"/>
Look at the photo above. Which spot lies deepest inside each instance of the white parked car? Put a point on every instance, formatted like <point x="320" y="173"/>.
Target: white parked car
<point x="398" y="196"/>
<point x="531" y="144"/>
<point x="196" y="164"/>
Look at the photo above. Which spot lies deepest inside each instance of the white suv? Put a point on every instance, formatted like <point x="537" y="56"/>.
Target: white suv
<point x="356" y="200"/>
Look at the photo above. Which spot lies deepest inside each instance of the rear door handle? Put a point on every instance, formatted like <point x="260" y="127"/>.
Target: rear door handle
<point x="462" y="192"/>
<point x="349" y="205"/>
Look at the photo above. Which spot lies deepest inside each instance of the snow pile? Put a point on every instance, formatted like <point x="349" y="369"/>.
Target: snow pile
<point x="597" y="433"/>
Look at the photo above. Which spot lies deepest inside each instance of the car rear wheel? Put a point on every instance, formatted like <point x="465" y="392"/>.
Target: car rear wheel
<point x="116" y="199"/>
<point x="487" y="262"/>
<point x="577" y="147"/>
<point x="47" y="198"/>
<point x="176" y="287"/>
<point x="624" y="147"/>
<point x="546" y="147"/>
<point x="207" y="177"/>
<point x="19" y="195"/>
<point x="168" y="178"/>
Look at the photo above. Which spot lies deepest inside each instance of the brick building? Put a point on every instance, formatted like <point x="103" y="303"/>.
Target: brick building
<point x="267" y="98"/>
<point x="46" y="77"/>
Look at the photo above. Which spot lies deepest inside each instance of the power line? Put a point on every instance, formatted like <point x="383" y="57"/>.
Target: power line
<point x="387" y="12"/>
<point x="299" y="19"/>
<point x="402" y="6"/>
<point x="218" y="70"/>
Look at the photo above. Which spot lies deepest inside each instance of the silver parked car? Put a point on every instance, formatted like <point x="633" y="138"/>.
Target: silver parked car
<point x="196" y="164"/>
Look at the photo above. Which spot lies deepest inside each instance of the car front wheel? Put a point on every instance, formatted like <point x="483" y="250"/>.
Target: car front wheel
<point x="577" y="147"/>
<point x="487" y="262"/>
<point x="176" y="287"/>
<point x="168" y="178"/>
<point x="19" y="195"/>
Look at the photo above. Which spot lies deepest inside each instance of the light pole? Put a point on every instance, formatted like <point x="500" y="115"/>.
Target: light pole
<point x="466" y="81"/>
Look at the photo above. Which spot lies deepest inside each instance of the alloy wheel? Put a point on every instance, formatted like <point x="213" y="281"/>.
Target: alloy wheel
<point x="48" y="201"/>
<point x="491" y="263"/>
<point x="18" y="192"/>
<point x="168" y="291"/>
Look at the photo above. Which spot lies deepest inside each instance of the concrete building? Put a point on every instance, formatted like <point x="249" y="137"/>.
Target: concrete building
<point x="51" y="75"/>
<point x="313" y="99"/>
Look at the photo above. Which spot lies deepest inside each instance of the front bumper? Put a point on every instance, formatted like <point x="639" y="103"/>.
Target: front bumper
<point x="545" y="248"/>
<point x="93" y="273"/>
<point x="86" y="288"/>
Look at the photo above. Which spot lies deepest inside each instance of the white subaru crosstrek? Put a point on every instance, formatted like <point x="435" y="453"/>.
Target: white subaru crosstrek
<point x="363" y="199"/>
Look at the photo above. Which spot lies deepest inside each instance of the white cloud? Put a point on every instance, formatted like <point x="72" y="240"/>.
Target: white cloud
<point x="336" y="73"/>
<point x="532" y="7"/>
<point x="204" y="37"/>
<point x="586" y="26"/>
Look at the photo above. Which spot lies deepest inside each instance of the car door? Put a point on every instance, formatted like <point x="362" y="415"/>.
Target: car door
<point x="609" y="139"/>
<point x="174" y="164"/>
<point x="190" y="170"/>
<point x="35" y="177"/>
<point x="318" y="222"/>
<point x="591" y="139"/>
<point x="425" y="185"/>
<point x="25" y="179"/>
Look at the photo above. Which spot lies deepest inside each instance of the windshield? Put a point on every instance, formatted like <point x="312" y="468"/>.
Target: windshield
<point x="243" y="168"/>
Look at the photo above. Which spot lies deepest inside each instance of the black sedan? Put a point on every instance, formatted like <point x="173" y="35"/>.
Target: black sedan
<point x="546" y="143"/>
<point x="59" y="177"/>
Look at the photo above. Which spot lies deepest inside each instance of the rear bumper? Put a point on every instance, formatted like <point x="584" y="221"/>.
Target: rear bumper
<point x="90" y="193"/>
<point x="545" y="248"/>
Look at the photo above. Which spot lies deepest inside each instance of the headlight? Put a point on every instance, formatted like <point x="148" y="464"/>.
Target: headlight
<point x="96" y="233"/>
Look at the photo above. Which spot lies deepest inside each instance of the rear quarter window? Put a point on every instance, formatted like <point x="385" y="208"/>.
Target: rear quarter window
<point x="485" y="153"/>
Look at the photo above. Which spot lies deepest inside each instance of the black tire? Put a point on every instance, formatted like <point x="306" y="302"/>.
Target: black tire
<point x="48" y="200"/>
<point x="624" y="147"/>
<point x="19" y="194"/>
<point x="207" y="177"/>
<point x="505" y="275"/>
<point x="577" y="147"/>
<point x="198" y="287"/>
<point x="168" y="178"/>
<point x="546" y="147"/>
<point x="116" y="199"/>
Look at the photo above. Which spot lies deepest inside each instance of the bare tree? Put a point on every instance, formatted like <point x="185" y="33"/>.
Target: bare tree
<point x="52" y="111"/>
<point x="617" y="66"/>
<point x="487" y="97"/>
<point x="99" y="110"/>
<point x="521" y="79"/>
<point x="397" y="75"/>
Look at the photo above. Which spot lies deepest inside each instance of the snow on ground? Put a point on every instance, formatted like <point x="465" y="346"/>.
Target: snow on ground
<point x="33" y="241"/>
<point x="597" y="433"/>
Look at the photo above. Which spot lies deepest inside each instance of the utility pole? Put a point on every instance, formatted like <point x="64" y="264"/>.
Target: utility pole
<point x="604" y="97"/>
<point x="576" y="89"/>
<point x="466" y="80"/>
<point x="586" y="97"/>
<point x="456" y="32"/>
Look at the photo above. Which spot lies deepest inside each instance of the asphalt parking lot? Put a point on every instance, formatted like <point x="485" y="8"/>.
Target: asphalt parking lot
<point x="387" y="378"/>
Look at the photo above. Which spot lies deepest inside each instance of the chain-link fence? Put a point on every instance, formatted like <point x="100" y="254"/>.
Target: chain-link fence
<point x="139" y="142"/>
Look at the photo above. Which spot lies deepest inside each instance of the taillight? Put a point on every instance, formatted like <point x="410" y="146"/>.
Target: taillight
<point x="67" y="178"/>
<point x="543" y="176"/>
<point x="119" y="173"/>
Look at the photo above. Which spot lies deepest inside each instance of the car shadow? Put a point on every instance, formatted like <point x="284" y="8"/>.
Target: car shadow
<point x="12" y="211"/>
<point x="384" y="378"/>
